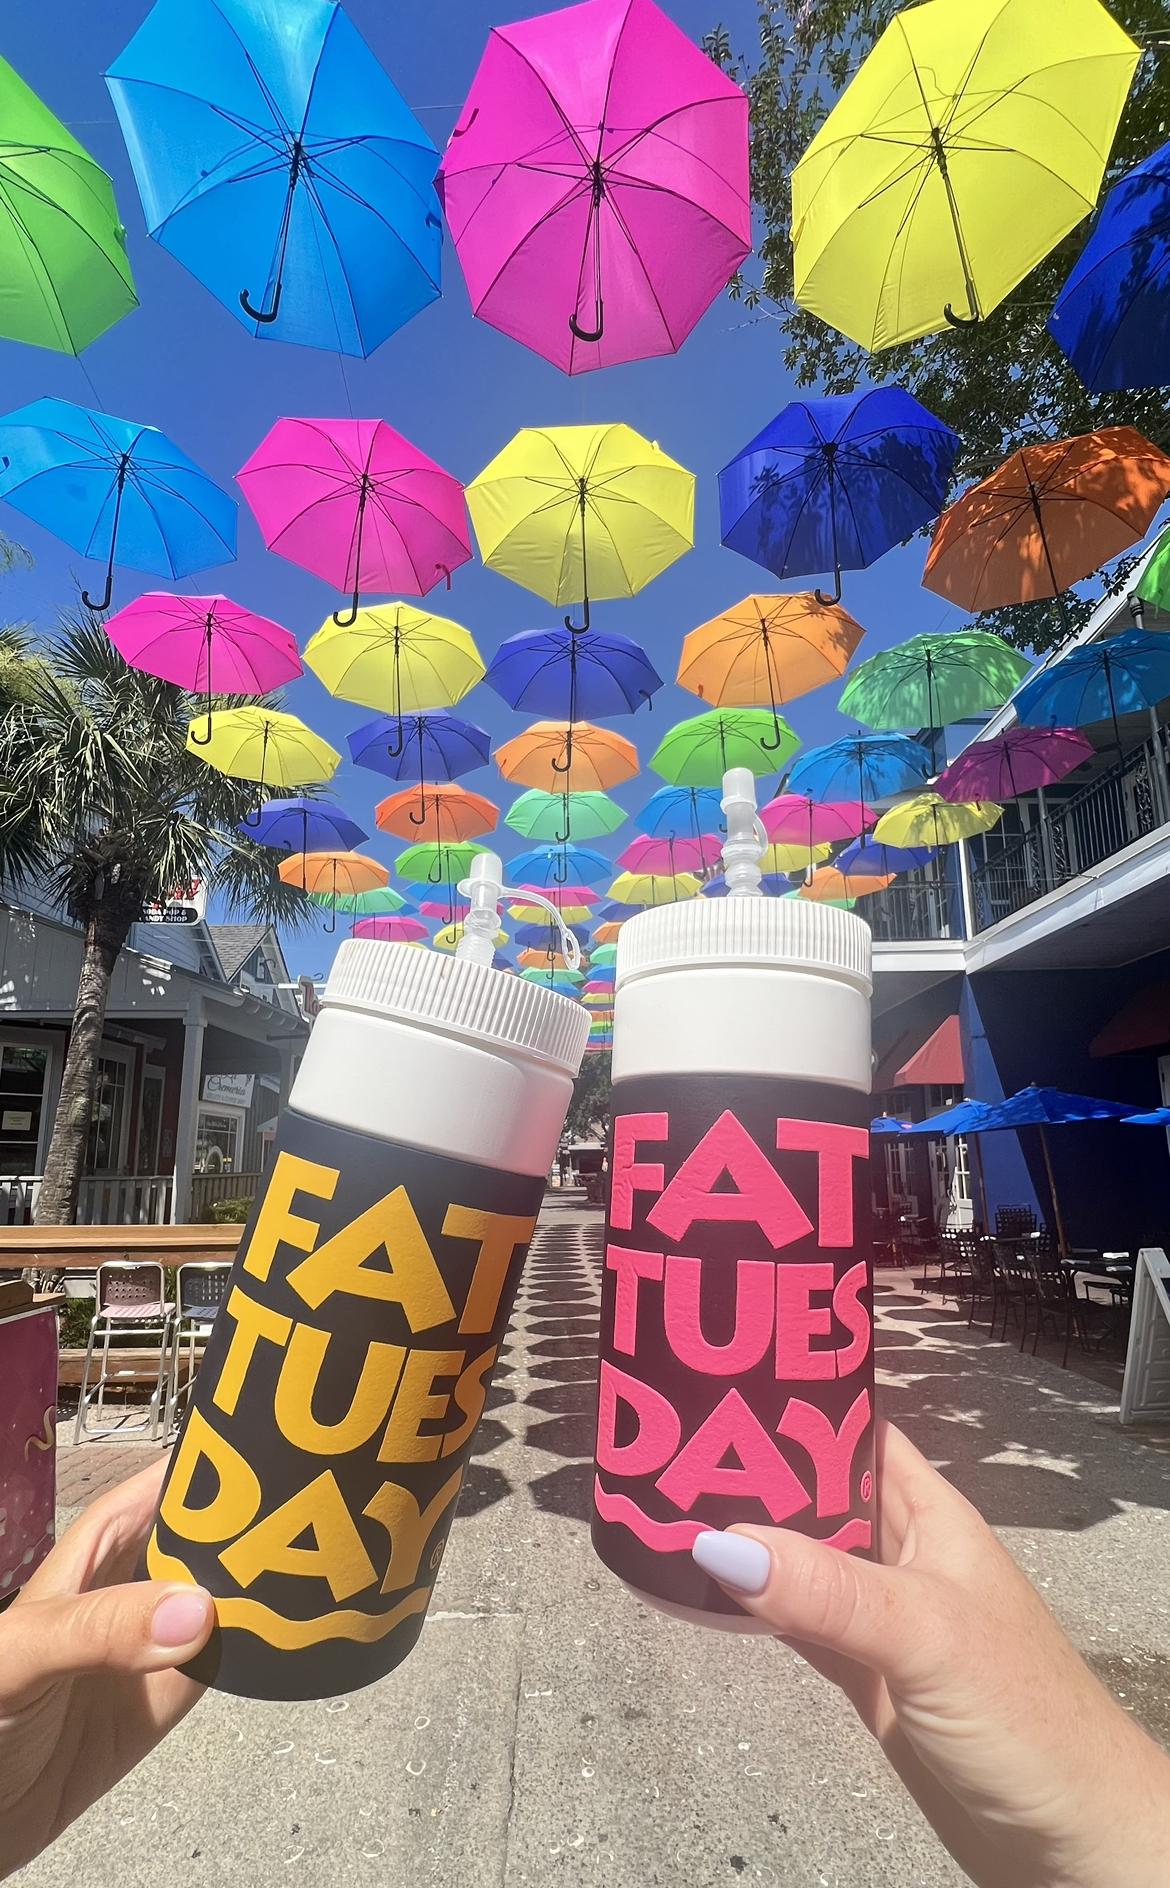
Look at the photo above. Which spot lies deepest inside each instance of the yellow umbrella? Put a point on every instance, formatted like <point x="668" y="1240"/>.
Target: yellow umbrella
<point x="261" y="744"/>
<point x="449" y="937"/>
<point x="782" y="858"/>
<point x="397" y="658"/>
<point x="647" y="888"/>
<point x="567" y="757"/>
<point x="973" y="138"/>
<point x="929" y="820"/>
<point x="574" y="512"/>
<point x="536" y="914"/>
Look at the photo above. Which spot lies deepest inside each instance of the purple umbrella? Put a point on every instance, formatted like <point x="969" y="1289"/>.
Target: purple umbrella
<point x="1017" y="761"/>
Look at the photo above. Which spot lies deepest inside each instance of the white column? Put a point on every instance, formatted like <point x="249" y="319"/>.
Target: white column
<point x="188" y="1111"/>
<point x="965" y="887"/>
<point x="288" y="1054"/>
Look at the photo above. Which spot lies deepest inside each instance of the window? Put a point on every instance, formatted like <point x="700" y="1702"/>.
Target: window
<point x="217" y="1140"/>
<point x="106" y="1148"/>
<point x="22" y="1099"/>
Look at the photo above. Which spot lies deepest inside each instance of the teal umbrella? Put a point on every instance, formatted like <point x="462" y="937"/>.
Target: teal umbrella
<point x="553" y="818"/>
<point x="931" y="681"/>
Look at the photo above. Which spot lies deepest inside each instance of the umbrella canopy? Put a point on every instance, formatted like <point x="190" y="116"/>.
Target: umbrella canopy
<point x="772" y="885"/>
<point x="382" y="902"/>
<point x="1112" y="317"/>
<point x="208" y="645"/>
<point x="965" y="1117"/>
<point x="615" y="161"/>
<point x="831" y="887"/>
<point x="652" y="889"/>
<point x="1051" y="515"/>
<point x="427" y="864"/>
<point x="930" y="821"/>
<point x="574" y="512"/>
<point x="330" y="873"/>
<point x="431" y="746"/>
<point x="872" y="766"/>
<point x="547" y="936"/>
<point x="1155" y="1118"/>
<point x="278" y="163"/>
<point x="262" y="744"/>
<point x="63" y="256"/>
<point x="556" y="755"/>
<point x="1051" y="1107"/>
<point x="450" y="909"/>
<point x="833" y="484"/>
<point x="573" y="914"/>
<point x="300" y="825"/>
<point x="114" y="490"/>
<point x="868" y="858"/>
<point x="564" y="980"/>
<point x="1153" y="583"/>
<point x="768" y="650"/>
<point x="572" y="673"/>
<point x="357" y="504"/>
<point x="1020" y="760"/>
<point x="606" y="934"/>
<point x="602" y="956"/>
<point x="779" y="858"/>
<point x="443" y="813"/>
<point x="555" y="817"/>
<point x="972" y="139"/>
<point x="396" y="657"/>
<point x="449" y="937"/>
<point x="559" y="865"/>
<point x="698" y="752"/>
<point x="1098" y="682"/>
<point x="671" y="856"/>
<point x="796" y="819"/>
<point x="674" y="812"/>
<point x="565" y="897"/>
<point x="391" y="930"/>
<point x="542" y="960"/>
<point x="930" y="681"/>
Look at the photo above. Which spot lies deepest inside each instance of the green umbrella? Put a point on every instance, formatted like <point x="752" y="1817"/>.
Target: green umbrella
<point x="1154" y="582"/>
<point x="698" y="752"/>
<point x="435" y="865"/>
<point x="931" y="681"/>
<point x="603" y="954"/>
<point x="383" y="902"/>
<point x="553" y="818"/>
<point x="63" y="258"/>
<point x="556" y="979"/>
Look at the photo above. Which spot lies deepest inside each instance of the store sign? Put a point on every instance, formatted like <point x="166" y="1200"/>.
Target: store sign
<point x="310" y="1001"/>
<point x="185" y="904"/>
<point x="234" y="1090"/>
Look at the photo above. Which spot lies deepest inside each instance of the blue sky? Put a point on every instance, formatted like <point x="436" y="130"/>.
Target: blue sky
<point x="455" y="386"/>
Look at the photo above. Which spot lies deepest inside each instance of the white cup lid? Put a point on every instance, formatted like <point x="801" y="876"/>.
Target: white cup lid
<point x="782" y="933"/>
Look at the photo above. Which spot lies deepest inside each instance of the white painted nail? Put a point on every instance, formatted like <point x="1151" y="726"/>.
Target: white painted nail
<point x="734" y="1560"/>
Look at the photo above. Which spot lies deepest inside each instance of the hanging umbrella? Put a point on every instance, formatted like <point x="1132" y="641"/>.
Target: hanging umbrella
<point x="831" y="887"/>
<point x="391" y="930"/>
<point x="652" y="889"/>
<point x="396" y="657"/>
<point x="427" y="864"/>
<point x="547" y="936"/>
<point x="1044" y="1108"/>
<point x="602" y="955"/>
<point x="698" y="752"/>
<point x="672" y="812"/>
<point x="278" y="163"/>
<point x="833" y="484"/>
<point x="781" y="858"/>
<point x="930" y="821"/>
<point x="450" y="909"/>
<point x="1112" y="317"/>
<point x="438" y="746"/>
<point x="572" y="673"/>
<point x="930" y="681"/>
<point x="382" y="902"/>
<point x="564" y="980"/>
<point x="553" y="754"/>
<point x="580" y="512"/>
<point x="63" y="256"/>
<point x="613" y="912"/>
<point x="1152" y="584"/>
<point x="576" y="898"/>
<point x="670" y="855"/>
<point x="443" y="813"/>
<point x="304" y="826"/>
<point x="1020" y="760"/>
<point x="557" y="865"/>
<point x="573" y="914"/>
<point x="772" y="885"/>
<point x="556" y="817"/>
<point x="601" y="977"/>
<point x="115" y="490"/>
<point x="872" y="766"/>
<point x="768" y="650"/>
<point x="327" y="874"/>
<point x="450" y="936"/>
<point x="1098" y="682"/>
<point x="615" y="160"/>
<point x="208" y="645"/>
<point x="542" y="960"/>
<point x="971" y="140"/>
<point x="796" y="819"/>
<point x="1051" y="515"/>
<point x="607" y="933"/>
<point x="262" y="744"/>
<point x="869" y="858"/>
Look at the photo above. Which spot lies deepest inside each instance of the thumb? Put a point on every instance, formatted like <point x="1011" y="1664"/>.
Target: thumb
<point x="142" y="1627"/>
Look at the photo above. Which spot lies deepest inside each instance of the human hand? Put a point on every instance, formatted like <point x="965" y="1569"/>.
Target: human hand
<point x="1031" y="1774"/>
<point x="86" y="1685"/>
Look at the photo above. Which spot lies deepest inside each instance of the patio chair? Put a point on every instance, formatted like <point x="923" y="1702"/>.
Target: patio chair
<point x="201" y="1290"/>
<point x="1015" y="1283"/>
<point x="1055" y="1300"/>
<point x="130" y="1303"/>
<point x="1014" y="1222"/>
<point x="953" y="1260"/>
<point x="984" y="1284"/>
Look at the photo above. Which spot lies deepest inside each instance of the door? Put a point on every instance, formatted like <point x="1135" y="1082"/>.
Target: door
<point x="150" y="1119"/>
<point x="24" y="1071"/>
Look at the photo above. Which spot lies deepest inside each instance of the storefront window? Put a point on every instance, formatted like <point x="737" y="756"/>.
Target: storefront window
<point x="22" y="1093"/>
<point x="217" y="1141"/>
<point x="107" y="1130"/>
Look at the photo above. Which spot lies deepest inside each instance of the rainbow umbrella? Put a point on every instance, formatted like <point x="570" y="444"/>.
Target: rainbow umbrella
<point x="208" y="645"/>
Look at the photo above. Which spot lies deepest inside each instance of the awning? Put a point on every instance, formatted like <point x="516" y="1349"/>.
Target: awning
<point x="938" y="1063"/>
<point x="1141" y="1023"/>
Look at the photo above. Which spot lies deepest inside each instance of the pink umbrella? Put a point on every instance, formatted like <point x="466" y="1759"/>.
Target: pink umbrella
<point x="358" y="505"/>
<point x="1018" y="761"/>
<point x="562" y="896"/>
<point x="391" y="930"/>
<point x="670" y="855"/>
<point x="209" y="645"/>
<point x="792" y="819"/>
<point x="596" y="184"/>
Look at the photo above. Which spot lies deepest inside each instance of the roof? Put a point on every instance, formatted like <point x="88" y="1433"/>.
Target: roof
<point x="234" y="944"/>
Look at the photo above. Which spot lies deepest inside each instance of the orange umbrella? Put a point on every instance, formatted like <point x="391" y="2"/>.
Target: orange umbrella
<point x="767" y="650"/>
<point x="442" y="812"/>
<point x="829" y="885"/>
<point x="543" y="960"/>
<point x="609" y="932"/>
<point x="331" y="873"/>
<point x="1051" y="515"/>
<point x="567" y="757"/>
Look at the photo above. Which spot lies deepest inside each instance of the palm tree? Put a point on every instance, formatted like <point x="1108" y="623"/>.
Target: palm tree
<point x="103" y="808"/>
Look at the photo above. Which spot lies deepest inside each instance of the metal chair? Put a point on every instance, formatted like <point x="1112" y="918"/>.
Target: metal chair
<point x="130" y="1303"/>
<point x="984" y="1284"/>
<point x="1015" y="1283"/>
<point x="1055" y="1299"/>
<point x="202" y="1288"/>
<point x="1014" y="1222"/>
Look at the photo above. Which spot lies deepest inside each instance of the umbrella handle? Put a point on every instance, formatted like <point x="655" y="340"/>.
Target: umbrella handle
<point x="350" y="618"/>
<point x="589" y="334"/>
<point x="835" y="598"/>
<point x="444" y="572"/>
<point x="578" y="629"/>
<point x="392" y="753"/>
<point x="103" y="603"/>
<point x="461" y="131"/>
<point x="195" y="739"/>
<point x="332" y="924"/>
<point x="962" y="321"/>
<point x="771" y="746"/>
<point x="263" y="315"/>
<point x="565" y="766"/>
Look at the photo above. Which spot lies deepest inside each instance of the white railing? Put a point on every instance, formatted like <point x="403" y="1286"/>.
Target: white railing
<point x="104" y="1200"/>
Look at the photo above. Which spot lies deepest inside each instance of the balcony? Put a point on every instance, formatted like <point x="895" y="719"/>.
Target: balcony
<point x="920" y="908"/>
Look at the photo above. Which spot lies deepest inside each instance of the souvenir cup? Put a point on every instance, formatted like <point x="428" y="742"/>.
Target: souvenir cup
<point x="316" y="1475"/>
<point x="736" y="1380"/>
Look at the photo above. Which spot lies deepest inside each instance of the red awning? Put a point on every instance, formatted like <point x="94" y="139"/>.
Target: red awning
<point x="939" y="1062"/>
<point x="1142" y="1023"/>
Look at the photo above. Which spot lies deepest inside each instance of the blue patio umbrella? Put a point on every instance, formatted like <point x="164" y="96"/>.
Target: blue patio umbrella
<point x="682" y="813"/>
<point x="432" y="746"/>
<point x="1112" y="317"/>
<point x="276" y="160"/>
<point x="541" y="937"/>
<point x="1153" y="1118"/>
<point x="114" y="490"/>
<point x="886" y="1124"/>
<point x="864" y="767"/>
<point x="1098" y="682"/>
<point x="572" y="674"/>
<point x="559" y="865"/>
<point x="964" y="1117"/>
<point x="301" y="825"/>
<point x="1043" y="1108"/>
<point x="833" y="484"/>
<point x="866" y="858"/>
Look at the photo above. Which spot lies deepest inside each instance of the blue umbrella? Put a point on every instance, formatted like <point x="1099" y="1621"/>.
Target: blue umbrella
<point x="833" y="484"/>
<point x="540" y="937"/>
<point x="431" y="746"/>
<point x="115" y="490"/>
<point x="886" y="1124"/>
<point x="1036" y="1107"/>
<point x="682" y="813"/>
<point x="560" y="865"/>
<point x="1154" y="1118"/>
<point x="772" y="884"/>
<point x="1098" y="682"/>
<point x="866" y="767"/>
<point x="572" y="674"/>
<point x="1112" y="317"/>
<point x="278" y="163"/>
<point x="866" y="858"/>
<point x="614" y="912"/>
<point x="304" y="826"/>
<point x="965" y="1117"/>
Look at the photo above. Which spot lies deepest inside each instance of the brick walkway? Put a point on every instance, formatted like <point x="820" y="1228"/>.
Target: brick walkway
<point x="85" y="1472"/>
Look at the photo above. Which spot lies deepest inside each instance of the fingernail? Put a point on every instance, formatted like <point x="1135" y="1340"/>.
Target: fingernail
<point x="180" y="1617"/>
<point x="734" y="1560"/>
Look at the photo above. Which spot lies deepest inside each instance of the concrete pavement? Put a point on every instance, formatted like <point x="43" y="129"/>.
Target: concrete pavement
<point x="551" y="1730"/>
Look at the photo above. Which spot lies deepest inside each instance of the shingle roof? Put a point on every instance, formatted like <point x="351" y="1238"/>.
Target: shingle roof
<point x="234" y="944"/>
